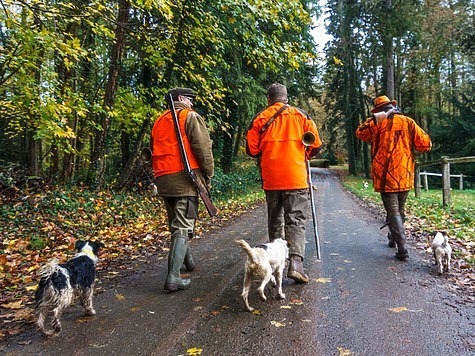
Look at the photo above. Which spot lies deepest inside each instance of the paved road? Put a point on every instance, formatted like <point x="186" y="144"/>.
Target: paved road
<point x="360" y="300"/>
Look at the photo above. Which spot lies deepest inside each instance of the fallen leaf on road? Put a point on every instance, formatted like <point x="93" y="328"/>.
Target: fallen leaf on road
<point x="194" y="351"/>
<point x="277" y="324"/>
<point x="343" y="352"/>
<point x="323" y="280"/>
<point x="296" y="302"/>
<point x="256" y="312"/>
<point x="398" y="309"/>
<point x="119" y="296"/>
<point x="285" y="307"/>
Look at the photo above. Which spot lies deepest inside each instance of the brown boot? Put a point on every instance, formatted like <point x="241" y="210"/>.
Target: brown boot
<point x="296" y="271"/>
<point x="391" y="242"/>
<point x="396" y="226"/>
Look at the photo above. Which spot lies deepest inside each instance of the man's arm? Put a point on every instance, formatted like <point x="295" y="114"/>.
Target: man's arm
<point x="200" y="142"/>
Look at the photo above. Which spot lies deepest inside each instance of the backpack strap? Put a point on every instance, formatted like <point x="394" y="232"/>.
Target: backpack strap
<point x="277" y="113"/>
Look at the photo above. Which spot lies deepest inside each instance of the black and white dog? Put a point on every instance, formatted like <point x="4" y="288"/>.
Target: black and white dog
<point x="61" y="284"/>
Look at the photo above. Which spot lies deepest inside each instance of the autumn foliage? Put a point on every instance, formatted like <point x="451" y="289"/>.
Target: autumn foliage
<point x="38" y="226"/>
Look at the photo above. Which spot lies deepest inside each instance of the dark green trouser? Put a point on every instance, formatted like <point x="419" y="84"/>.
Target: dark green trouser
<point x="287" y="217"/>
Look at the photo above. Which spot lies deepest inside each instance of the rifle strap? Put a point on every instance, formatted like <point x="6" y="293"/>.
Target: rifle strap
<point x="271" y="120"/>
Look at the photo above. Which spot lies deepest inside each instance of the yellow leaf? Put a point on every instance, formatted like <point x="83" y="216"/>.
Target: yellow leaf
<point x="398" y="309"/>
<point x="343" y="352"/>
<point x="194" y="351"/>
<point x="119" y="296"/>
<point x="31" y="288"/>
<point x="277" y="324"/>
<point x="256" y="312"/>
<point x="323" y="280"/>
<point x="285" y="307"/>
<point x="337" y="61"/>
<point x="13" y="305"/>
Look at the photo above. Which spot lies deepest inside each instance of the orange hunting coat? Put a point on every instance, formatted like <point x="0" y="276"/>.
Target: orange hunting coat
<point x="393" y="142"/>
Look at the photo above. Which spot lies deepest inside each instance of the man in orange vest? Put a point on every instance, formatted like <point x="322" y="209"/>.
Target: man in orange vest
<point x="275" y="139"/>
<point x="393" y="138"/>
<point x="178" y="192"/>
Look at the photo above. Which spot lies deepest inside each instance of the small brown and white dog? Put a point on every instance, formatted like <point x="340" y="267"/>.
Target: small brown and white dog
<point x="262" y="263"/>
<point x="61" y="284"/>
<point x="442" y="251"/>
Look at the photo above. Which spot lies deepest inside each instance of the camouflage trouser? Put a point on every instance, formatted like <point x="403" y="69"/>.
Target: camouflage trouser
<point x="394" y="204"/>
<point x="287" y="217"/>
<point x="182" y="213"/>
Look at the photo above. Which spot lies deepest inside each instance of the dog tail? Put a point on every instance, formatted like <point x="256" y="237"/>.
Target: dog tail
<point x="245" y="246"/>
<point x="48" y="269"/>
<point x="446" y="241"/>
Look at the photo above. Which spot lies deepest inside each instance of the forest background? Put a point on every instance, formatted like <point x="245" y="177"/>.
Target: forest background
<point x="81" y="83"/>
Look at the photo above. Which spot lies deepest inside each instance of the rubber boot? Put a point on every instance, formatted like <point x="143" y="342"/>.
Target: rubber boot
<point x="296" y="271"/>
<point x="397" y="232"/>
<point x="391" y="242"/>
<point x="189" y="262"/>
<point x="176" y="256"/>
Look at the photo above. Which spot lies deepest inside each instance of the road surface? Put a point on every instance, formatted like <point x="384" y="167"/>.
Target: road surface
<point x="360" y="300"/>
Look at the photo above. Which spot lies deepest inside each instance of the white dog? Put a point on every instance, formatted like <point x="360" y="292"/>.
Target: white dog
<point x="262" y="263"/>
<point x="442" y="251"/>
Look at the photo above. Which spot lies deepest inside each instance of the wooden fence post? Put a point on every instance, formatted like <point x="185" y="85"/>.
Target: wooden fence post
<point x="445" y="165"/>
<point x="417" y="183"/>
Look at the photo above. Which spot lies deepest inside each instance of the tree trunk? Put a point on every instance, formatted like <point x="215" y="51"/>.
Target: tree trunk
<point x="100" y="139"/>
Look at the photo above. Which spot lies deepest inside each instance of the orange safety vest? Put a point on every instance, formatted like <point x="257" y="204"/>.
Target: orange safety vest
<point x="166" y="156"/>
<point x="280" y="149"/>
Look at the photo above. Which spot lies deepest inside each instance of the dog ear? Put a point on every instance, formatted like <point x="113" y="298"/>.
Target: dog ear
<point x="79" y="245"/>
<point x="96" y="245"/>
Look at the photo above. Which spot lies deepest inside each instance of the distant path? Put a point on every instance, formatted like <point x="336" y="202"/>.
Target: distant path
<point x="360" y="299"/>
